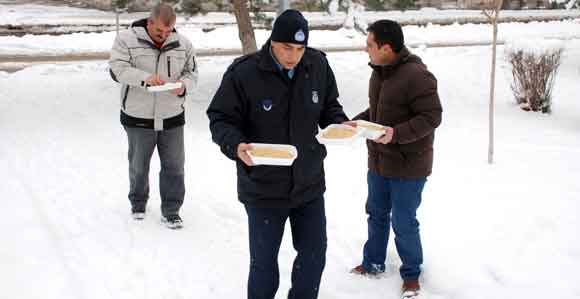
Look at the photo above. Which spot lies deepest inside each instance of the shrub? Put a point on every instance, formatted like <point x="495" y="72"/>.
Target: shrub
<point x="534" y="65"/>
<point x="192" y="7"/>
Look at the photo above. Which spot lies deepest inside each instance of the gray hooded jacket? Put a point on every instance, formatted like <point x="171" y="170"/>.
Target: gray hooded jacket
<point x="134" y="58"/>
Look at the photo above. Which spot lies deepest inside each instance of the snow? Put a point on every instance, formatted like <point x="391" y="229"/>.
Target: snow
<point x="536" y="47"/>
<point x="27" y="14"/>
<point x="21" y="14"/>
<point x="507" y="230"/>
<point x="226" y="37"/>
<point x="224" y="34"/>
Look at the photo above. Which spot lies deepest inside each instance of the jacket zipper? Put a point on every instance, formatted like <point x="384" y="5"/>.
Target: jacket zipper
<point x="154" y="95"/>
<point x="168" y="67"/>
<point x="125" y="97"/>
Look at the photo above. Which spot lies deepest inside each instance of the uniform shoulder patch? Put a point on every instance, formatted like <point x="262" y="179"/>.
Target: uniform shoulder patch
<point x="239" y="60"/>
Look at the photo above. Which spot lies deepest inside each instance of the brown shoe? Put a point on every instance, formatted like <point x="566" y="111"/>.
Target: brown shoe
<point x="359" y="270"/>
<point x="410" y="289"/>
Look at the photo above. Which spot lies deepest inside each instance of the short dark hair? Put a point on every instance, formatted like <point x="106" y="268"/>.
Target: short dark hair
<point x="388" y="32"/>
<point x="163" y="12"/>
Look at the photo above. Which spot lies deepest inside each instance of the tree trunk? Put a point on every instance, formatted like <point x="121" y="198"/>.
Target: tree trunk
<point x="492" y="92"/>
<point x="245" y="29"/>
<point x="493" y="16"/>
<point x="283" y="5"/>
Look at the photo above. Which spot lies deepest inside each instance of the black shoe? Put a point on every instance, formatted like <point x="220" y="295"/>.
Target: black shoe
<point x="138" y="214"/>
<point x="172" y="221"/>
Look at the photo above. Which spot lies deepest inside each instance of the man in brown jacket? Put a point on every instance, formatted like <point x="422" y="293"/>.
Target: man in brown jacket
<point x="403" y="98"/>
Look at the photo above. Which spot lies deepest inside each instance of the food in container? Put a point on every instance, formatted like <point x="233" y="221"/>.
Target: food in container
<point x="267" y="152"/>
<point x="272" y="154"/>
<point x="338" y="134"/>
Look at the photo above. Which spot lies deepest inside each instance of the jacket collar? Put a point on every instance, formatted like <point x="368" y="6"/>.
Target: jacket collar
<point x="266" y="61"/>
<point x="403" y="57"/>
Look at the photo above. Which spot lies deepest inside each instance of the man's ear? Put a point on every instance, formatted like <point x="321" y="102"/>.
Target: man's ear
<point x="386" y="48"/>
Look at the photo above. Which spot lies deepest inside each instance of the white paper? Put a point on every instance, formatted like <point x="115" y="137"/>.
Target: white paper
<point x="164" y="87"/>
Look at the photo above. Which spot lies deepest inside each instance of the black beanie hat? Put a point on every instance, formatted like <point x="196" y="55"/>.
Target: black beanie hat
<point x="388" y="32"/>
<point x="290" y="27"/>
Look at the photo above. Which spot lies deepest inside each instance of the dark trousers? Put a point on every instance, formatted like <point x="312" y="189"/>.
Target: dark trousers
<point x="170" y="146"/>
<point x="393" y="201"/>
<point x="266" y="228"/>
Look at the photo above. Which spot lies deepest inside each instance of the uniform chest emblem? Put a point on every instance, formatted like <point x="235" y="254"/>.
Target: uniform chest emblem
<point x="315" y="97"/>
<point x="267" y="104"/>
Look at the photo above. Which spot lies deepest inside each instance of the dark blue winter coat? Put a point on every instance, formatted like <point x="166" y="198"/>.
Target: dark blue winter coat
<point x="257" y="103"/>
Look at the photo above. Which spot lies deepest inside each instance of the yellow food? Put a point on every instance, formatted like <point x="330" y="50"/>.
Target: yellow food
<point x="338" y="133"/>
<point x="267" y="152"/>
<point x="371" y="127"/>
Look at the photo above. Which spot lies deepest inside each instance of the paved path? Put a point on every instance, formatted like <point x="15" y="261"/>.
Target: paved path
<point x="12" y="63"/>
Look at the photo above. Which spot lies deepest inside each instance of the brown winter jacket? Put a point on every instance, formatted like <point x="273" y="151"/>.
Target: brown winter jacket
<point x="403" y="95"/>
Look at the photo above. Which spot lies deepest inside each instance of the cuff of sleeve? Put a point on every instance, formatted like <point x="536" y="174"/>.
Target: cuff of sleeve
<point x="361" y="116"/>
<point x="231" y="149"/>
<point x="395" y="138"/>
<point x="144" y="77"/>
<point x="184" y="93"/>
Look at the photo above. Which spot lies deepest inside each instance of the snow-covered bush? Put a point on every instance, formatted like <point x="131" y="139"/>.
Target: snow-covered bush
<point x="192" y="7"/>
<point x="120" y="3"/>
<point x="568" y="4"/>
<point x="534" y="64"/>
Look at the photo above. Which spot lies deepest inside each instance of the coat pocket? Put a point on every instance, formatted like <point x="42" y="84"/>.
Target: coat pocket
<point x="144" y="59"/>
<point x="311" y="163"/>
<point x="174" y="64"/>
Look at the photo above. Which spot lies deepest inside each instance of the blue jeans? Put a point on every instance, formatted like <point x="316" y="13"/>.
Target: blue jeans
<point x="266" y="228"/>
<point x="393" y="201"/>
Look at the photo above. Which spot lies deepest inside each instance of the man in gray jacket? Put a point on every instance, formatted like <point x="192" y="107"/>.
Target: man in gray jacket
<point x="150" y="54"/>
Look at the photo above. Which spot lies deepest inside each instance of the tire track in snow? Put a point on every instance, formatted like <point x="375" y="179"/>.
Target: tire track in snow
<point x="72" y="277"/>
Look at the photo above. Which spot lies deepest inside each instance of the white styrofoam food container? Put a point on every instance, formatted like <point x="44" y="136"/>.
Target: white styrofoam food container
<point x="164" y="87"/>
<point x="274" y="161"/>
<point x="339" y="141"/>
<point x="370" y="133"/>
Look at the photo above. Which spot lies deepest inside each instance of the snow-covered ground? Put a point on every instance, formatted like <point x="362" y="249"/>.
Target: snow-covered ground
<point x="227" y="37"/>
<point x="507" y="230"/>
<point x="34" y="14"/>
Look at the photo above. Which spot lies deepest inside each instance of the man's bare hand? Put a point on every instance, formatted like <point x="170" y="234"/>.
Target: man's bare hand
<point x="179" y="91"/>
<point x="154" y="80"/>
<point x="243" y="149"/>
<point x="387" y="137"/>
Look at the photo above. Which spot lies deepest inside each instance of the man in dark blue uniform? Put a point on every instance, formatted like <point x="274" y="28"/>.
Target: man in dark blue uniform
<point x="281" y="94"/>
